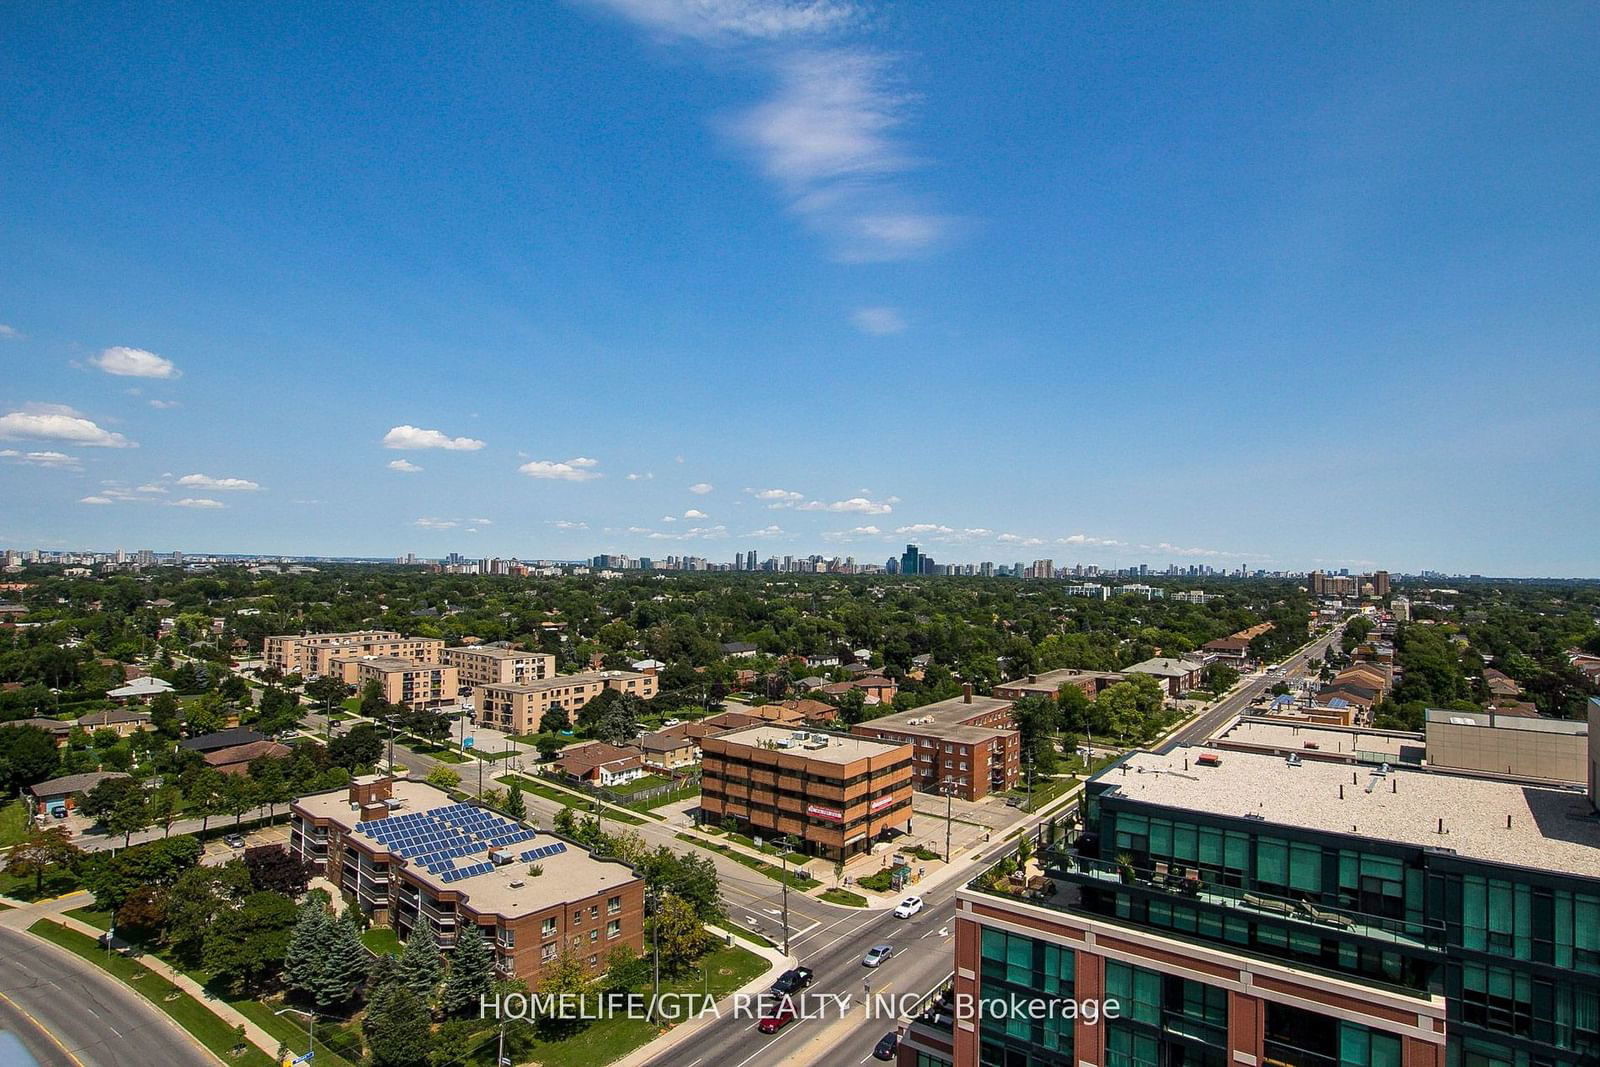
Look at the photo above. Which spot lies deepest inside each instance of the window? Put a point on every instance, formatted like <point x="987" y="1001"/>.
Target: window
<point x="507" y="937"/>
<point x="614" y="928"/>
<point x="1137" y="991"/>
<point x="613" y="905"/>
<point x="547" y="953"/>
<point x="547" y="928"/>
<point x="594" y="911"/>
<point x="594" y="935"/>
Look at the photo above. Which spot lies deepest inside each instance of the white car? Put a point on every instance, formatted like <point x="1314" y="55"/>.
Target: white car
<point x="908" y="907"/>
<point x="670" y="722"/>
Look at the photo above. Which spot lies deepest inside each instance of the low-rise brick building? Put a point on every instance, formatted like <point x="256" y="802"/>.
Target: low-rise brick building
<point x="967" y="744"/>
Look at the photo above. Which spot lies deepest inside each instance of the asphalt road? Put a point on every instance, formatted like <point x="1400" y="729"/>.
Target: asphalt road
<point x="97" y="1021"/>
<point x="1239" y="701"/>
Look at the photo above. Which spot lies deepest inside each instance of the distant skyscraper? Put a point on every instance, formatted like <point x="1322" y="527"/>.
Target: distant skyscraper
<point x="911" y="560"/>
<point x="750" y="560"/>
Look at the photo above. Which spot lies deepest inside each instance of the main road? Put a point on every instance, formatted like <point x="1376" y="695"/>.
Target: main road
<point x="1238" y="702"/>
<point x="69" y="1014"/>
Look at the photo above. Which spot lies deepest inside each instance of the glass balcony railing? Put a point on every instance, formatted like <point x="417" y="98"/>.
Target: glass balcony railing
<point x="1191" y="887"/>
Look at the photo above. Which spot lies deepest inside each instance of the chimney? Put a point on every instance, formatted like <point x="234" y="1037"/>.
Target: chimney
<point x="966" y="692"/>
<point x="1032" y="678"/>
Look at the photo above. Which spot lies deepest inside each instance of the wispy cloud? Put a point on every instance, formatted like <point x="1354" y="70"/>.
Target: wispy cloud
<point x="636" y="476"/>
<point x="579" y="469"/>
<point x="163" y="405"/>
<point x="777" y="498"/>
<point x="828" y="134"/>
<point x="879" y="321"/>
<point x="567" y="524"/>
<point x="42" y="459"/>
<point x="701" y="488"/>
<point x="404" y="466"/>
<point x="414" y="437"/>
<point x="226" y="485"/>
<point x="436" y="524"/>
<point x="859" y="504"/>
<point x="9" y="333"/>
<point x="198" y="502"/>
<point x="134" y="363"/>
<point x="52" y="422"/>
<point x="773" y="530"/>
<point x="96" y="499"/>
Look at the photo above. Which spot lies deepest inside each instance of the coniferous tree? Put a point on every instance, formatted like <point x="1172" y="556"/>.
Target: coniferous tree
<point x="421" y="965"/>
<point x="397" y="1028"/>
<point x="344" y="964"/>
<point x="308" y="947"/>
<point x="384" y="971"/>
<point x="471" y="973"/>
<point x="516" y="807"/>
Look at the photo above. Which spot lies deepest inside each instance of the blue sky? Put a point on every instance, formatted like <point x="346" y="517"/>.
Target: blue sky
<point x="1286" y="285"/>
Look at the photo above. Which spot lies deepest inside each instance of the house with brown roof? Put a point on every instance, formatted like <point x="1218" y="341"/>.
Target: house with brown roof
<point x="237" y="759"/>
<point x="1500" y="683"/>
<point x="124" y="721"/>
<point x="668" y="753"/>
<point x="1229" y="651"/>
<point x="599" y="763"/>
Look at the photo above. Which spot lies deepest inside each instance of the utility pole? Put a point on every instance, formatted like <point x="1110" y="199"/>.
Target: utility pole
<point x="653" y="901"/>
<point x="949" y="813"/>
<point x="783" y="857"/>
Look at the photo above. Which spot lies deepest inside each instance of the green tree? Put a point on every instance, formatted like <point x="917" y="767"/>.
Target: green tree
<point x="553" y="721"/>
<point x="1037" y="719"/>
<point x="681" y="936"/>
<point x="471" y="972"/>
<point x="443" y="777"/>
<point x="239" y="795"/>
<point x="396" y="1027"/>
<point x="563" y="977"/>
<point x="40" y="851"/>
<point x="421" y="965"/>
<point x="342" y="966"/>
<point x="28" y="755"/>
<point x="307" y="954"/>
<point x="118" y="804"/>
<point x="166" y="803"/>
<point x="245" y="950"/>
<point x="516" y="806"/>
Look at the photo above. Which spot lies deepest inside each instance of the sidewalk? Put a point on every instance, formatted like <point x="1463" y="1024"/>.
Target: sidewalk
<point x="684" y="1031"/>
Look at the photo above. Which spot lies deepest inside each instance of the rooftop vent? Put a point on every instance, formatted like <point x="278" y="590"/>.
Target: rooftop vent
<point x="500" y="857"/>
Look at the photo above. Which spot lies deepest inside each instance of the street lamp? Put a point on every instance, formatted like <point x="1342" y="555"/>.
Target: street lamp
<point x="652" y="899"/>
<point x="785" y="843"/>
<point x="311" y="1025"/>
<point x="949" y="788"/>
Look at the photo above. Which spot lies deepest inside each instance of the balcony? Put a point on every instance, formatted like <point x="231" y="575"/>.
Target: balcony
<point x="1191" y="888"/>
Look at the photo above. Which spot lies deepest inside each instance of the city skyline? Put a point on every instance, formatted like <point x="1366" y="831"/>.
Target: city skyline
<point x="1184" y="292"/>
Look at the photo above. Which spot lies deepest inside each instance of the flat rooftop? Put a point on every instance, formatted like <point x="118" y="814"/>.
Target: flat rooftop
<point x="943" y="719"/>
<point x="840" y="748"/>
<point x="1050" y="682"/>
<point x="1303" y="736"/>
<point x="494" y="652"/>
<point x="559" y="681"/>
<point x="1488" y="721"/>
<point x="387" y="664"/>
<point x="570" y="872"/>
<point x="1551" y="829"/>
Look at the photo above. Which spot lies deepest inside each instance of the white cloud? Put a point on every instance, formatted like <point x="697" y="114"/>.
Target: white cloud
<point x="42" y="459"/>
<point x="152" y="487"/>
<point x="197" y="502"/>
<point x="773" y="530"/>
<point x="695" y="513"/>
<point x="777" y="498"/>
<point x="719" y="21"/>
<point x="484" y="522"/>
<point x="879" y="321"/>
<point x="134" y="363"/>
<point x="701" y="488"/>
<point x="1085" y="539"/>
<point x="95" y="500"/>
<point x="164" y="404"/>
<point x="226" y="485"/>
<point x="54" y="423"/>
<point x="404" y="466"/>
<point x="568" y="524"/>
<point x="414" y="437"/>
<point x="858" y="504"/>
<point x="637" y="477"/>
<point x="922" y="528"/>
<point x="9" y="333"/>
<point x="584" y="462"/>
<point x="573" y="470"/>
<point x="436" y="524"/>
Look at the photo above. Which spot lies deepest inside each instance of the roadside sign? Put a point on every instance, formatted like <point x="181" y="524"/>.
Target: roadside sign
<point x="466" y="742"/>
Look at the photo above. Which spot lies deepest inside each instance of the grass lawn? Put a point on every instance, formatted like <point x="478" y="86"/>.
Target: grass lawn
<point x="186" y="1011"/>
<point x="845" y="897"/>
<point x="483" y="755"/>
<point x="638" y="785"/>
<point x="381" y="939"/>
<point x="449" y="755"/>
<point x="565" y="796"/>
<point x="749" y="935"/>
<point x="352" y="705"/>
<point x="664" y="799"/>
<point x="767" y="847"/>
<point x="771" y="870"/>
<point x="56" y="883"/>
<point x="93" y="916"/>
<point x="719" y="973"/>
<point x="13" y="823"/>
<point x="290" y="1029"/>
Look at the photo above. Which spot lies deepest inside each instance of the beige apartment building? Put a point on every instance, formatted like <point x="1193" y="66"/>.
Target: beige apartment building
<point x="490" y="665"/>
<point x="517" y="709"/>
<point x="401" y="681"/>
<point x="309" y="654"/>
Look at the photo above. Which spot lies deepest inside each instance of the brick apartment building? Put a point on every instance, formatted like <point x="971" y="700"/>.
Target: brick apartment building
<point x="968" y="742"/>
<point x="401" y="681"/>
<point x="404" y="851"/>
<point x="834" y="793"/>
<point x="308" y="654"/>
<point x="491" y="665"/>
<point x="517" y="708"/>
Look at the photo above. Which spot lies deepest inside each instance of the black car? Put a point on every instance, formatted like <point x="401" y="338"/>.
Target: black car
<point x="886" y="1047"/>
<point x="791" y="981"/>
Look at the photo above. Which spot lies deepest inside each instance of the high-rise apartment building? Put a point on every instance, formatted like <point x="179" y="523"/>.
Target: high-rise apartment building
<point x="1316" y="911"/>
<point x="911" y="560"/>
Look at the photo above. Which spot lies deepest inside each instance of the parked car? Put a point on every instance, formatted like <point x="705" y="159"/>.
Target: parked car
<point x="233" y="840"/>
<point x="908" y="907"/>
<point x="876" y="955"/>
<point x="781" y="1017"/>
<point x="791" y="981"/>
<point x="670" y="722"/>
<point x="886" y="1047"/>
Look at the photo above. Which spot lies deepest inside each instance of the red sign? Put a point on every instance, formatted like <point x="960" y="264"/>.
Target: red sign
<point x="881" y="803"/>
<point x="825" y="813"/>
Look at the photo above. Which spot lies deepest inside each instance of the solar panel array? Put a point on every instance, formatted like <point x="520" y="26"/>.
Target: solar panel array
<point x="543" y="850"/>
<point x="436" y="839"/>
